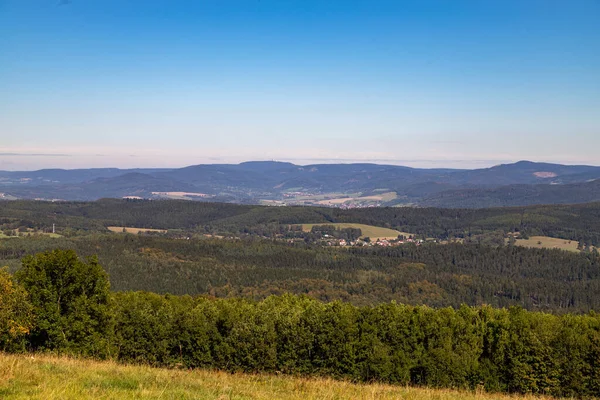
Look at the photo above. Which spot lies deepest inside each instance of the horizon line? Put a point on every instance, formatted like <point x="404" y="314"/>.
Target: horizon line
<point x="320" y="161"/>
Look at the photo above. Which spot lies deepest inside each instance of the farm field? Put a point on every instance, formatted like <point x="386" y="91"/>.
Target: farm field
<point x="374" y="232"/>
<point x="119" y="229"/>
<point x="52" y="378"/>
<point x="383" y="197"/>
<point x="546" y="242"/>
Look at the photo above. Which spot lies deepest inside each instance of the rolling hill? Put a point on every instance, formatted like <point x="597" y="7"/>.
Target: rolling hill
<point x="521" y="183"/>
<point x="515" y="195"/>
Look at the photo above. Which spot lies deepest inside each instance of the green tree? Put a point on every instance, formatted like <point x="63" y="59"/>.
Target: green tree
<point x="15" y="312"/>
<point x="71" y="302"/>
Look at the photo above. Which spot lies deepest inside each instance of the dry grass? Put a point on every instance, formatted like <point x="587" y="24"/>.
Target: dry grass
<point x="119" y="229"/>
<point x="51" y="378"/>
<point x="374" y="232"/>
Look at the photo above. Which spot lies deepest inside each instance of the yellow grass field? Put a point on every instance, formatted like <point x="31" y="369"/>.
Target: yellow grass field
<point x="51" y="378"/>
<point x="119" y="229"/>
<point x="374" y="232"/>
<point x="546" y="242"/>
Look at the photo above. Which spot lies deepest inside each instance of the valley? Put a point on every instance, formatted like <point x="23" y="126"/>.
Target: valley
<point x="336" y="200"/>
<point x="391" y="299"/>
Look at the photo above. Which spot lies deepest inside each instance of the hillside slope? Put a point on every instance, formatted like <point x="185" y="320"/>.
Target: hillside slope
<point x="515" y="195"/>
<point x="52" y="378"/>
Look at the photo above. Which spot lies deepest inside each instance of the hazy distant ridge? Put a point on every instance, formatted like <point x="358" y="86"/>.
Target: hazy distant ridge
<point x="520" y="183"/>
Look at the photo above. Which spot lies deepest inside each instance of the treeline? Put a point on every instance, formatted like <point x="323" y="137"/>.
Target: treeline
<point x="573" y="222"/>
<point x="320" y="231"/>
<point x="59" y="303"/>
<point x="431" y="274"/>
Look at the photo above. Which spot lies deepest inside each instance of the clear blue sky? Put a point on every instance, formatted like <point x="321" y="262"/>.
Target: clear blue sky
<point x="169" y="83"/>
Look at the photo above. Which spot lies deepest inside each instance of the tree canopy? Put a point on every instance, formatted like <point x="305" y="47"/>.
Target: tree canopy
<point x="70" y="300"/>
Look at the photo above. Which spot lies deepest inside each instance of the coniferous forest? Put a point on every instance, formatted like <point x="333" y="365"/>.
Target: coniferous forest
<point x="434" y="275"/>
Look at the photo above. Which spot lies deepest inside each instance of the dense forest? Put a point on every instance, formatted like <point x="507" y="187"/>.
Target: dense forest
<point x="58" y="302"/>
<point x="571" y="222"/>
<point x="430" y="274"/>
<point x="515" y="195"/>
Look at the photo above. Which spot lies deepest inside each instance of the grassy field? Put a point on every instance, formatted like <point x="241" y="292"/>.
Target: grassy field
<point x="51" y="378"/>
<point x="119" y="229"/>
<point x="374" y="232"/>
<point x="546" y="242"/>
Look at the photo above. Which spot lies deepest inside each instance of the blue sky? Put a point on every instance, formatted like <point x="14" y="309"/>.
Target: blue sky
<point x="422" y="83"/>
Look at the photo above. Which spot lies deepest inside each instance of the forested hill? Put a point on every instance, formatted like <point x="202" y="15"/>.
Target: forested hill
<point x="431" y="274"/>
<point x="515" y="195"/>
<point x="256" y="182"/>
<point x="572" y="222"/>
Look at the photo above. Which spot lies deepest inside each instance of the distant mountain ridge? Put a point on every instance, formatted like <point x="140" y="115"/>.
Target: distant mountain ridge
<point x="520" y="183"/>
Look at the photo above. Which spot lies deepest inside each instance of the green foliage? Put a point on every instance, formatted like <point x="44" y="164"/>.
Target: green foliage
<point x="504" y="350"/>
<point x="510" y="350"/>
<point x="16" y="316"/>
<point x="71" y="302"/>
<point x="335" y="232"/>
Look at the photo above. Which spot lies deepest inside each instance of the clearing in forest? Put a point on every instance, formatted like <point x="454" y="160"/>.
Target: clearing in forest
<point x="373" y="232"/>
<point x="547" y="242"/>
<point x="120" y="229"/>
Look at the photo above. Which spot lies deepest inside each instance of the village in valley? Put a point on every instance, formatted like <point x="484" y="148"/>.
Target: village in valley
<point x="366" y="241"/>
<point x="348" y="235"/>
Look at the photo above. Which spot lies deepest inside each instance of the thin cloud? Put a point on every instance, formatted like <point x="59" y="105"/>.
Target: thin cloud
<point x="34" y="155"/>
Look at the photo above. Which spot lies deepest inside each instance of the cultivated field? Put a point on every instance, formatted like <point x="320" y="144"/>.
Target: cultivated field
<point x="119" y="229"/>
<point x="374" y="232"/>
<point x="384" y="197"/>
<point x="50" y="378"/>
